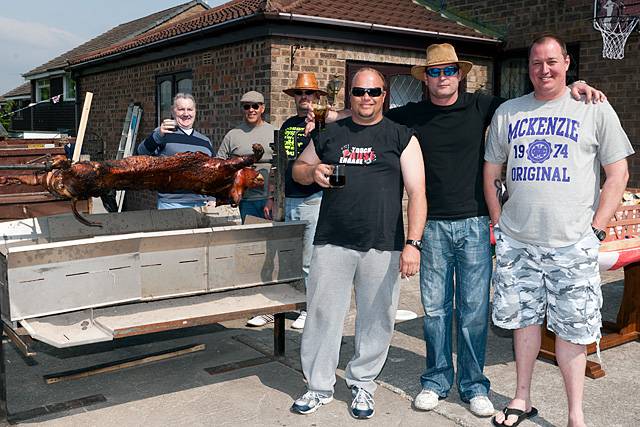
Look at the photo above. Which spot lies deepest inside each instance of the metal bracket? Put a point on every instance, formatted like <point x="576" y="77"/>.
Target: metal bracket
<point x="294" y="48"/>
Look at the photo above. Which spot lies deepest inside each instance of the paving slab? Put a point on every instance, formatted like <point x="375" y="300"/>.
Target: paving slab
<point x="181" y="391"/>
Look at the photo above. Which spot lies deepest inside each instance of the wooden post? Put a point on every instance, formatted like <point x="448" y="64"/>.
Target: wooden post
<point x="278" y="167"/>
<point x="83" y="126"/>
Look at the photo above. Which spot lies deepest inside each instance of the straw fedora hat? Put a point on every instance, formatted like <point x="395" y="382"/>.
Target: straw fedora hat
<point x="441" y="54"/>
<point x="305" y="81"/>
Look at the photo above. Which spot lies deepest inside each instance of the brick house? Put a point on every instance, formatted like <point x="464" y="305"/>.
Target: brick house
<point x="218" y="54"/>
<point x="53" y="78"/>
<point x="262" y="45"/>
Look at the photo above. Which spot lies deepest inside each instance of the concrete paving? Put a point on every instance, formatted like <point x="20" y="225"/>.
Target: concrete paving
<point x="182" y="392"/>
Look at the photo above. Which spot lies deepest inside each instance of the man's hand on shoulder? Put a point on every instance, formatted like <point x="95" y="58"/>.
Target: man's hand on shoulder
<point x="591" y="94"/>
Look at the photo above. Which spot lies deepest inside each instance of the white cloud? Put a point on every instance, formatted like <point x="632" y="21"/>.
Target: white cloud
<point x="32" y="35"/>
<point x="26" y="45"/>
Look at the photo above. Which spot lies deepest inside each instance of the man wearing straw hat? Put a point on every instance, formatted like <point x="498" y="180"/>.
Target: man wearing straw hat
<point x="451" y="126"/>
<point x="302" y="202"/>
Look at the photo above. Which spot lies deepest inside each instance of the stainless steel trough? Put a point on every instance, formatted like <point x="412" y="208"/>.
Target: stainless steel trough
<point x="54" y="271"/>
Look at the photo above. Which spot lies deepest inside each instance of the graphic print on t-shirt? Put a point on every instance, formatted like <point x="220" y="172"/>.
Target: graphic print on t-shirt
<point x="293" y="141"/>
<point x="530" y="158"/>
<point x="357" y="155"/>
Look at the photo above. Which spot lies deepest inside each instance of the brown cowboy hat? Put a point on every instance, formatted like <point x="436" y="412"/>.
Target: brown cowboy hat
<point x="305" y="81"/>
<point x="441" y="54"/>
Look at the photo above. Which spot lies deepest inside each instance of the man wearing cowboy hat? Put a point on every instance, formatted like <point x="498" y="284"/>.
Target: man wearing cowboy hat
<point x="302" y="202"/>
<point x="451" y="126"/>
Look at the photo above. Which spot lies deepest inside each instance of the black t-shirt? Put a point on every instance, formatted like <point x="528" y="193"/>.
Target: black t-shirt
<point x="367" y="212"/>
<point x="294" y="141"/>
<point x="452" y="142"/>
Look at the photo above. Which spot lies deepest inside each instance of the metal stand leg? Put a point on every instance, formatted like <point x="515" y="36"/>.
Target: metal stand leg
<point x="278" y="334"/>
<point x="3" y="377"/>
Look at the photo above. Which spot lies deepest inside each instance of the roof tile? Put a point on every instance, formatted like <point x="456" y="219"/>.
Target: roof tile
<point x="394" y="13"/>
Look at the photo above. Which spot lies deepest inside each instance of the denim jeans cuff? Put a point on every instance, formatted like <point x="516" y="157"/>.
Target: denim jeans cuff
<point x="467" y="398"/>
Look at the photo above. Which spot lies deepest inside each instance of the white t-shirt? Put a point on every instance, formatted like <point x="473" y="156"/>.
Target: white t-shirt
<point x="553" y="151"/>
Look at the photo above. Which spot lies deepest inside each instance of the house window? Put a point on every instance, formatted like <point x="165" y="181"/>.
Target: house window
<point x="513" y="71"/>
<point x="167" y="87"/>
<point x="17" y="107"/>
<point x="402" y="88"/>
<point x="69" y="88"/>
<point x="43" y="90"/>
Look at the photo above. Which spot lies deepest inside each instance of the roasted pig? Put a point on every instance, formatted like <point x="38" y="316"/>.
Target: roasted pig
<point x="195" y="172"/>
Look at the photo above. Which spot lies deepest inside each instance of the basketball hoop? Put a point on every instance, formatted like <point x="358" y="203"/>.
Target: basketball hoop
<point x="615" y="31"/>
<point x="614" y="25"/>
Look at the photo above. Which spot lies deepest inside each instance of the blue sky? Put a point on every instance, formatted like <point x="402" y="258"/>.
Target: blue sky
<point x="34" y="31"/>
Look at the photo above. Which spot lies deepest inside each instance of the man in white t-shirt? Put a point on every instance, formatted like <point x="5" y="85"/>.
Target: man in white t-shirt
<point x="549" y="230"/>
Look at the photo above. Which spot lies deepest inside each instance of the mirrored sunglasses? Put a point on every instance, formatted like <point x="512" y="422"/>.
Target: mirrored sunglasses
<point x="449" y="71"/>
<point x="373" y="92"/>
<point x="252" y="106"/>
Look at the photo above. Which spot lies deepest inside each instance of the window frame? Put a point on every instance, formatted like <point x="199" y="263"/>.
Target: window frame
<point x="65" y="86"/>
<point x="40" y="84"/>
<point x="174" y="78"/>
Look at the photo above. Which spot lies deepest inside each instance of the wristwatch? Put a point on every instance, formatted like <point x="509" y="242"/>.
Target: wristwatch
<point x="600" y="234"/>
<point x="415" y="243"/>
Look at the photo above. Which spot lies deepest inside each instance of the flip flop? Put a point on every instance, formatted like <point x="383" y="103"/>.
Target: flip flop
<point x="517" y="412"/>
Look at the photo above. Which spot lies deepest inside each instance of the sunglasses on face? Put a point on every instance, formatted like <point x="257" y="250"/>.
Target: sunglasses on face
<point x="304" y="92"/>
<point x="252" y="106"/>
<point x="449" y="71"/>
<point x="373" y="92"/>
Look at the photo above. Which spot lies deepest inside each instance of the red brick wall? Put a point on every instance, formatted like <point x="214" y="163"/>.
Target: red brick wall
<point x="220" y="77"/>
<point x="520" y="21"/>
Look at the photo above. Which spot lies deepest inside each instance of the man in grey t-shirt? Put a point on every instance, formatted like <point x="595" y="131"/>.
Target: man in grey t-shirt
<point x="548" y="232"/>
<point x="238" y="142"/>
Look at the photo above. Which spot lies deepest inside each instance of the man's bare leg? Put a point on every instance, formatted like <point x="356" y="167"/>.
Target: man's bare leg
<point x="572" y="359"/>
<point x="527" y="345"/>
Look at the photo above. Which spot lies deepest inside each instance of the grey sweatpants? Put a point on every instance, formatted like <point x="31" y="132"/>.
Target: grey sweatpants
<point x="334" y="270"/>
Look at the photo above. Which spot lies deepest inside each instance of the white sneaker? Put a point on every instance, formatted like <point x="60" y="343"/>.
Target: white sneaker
<point x="310" y="402"/>
<point x="426" y="400"/>
<point x="299" y="323"/>
<point x="261" y="320"/>
<point x="481" y="406"/>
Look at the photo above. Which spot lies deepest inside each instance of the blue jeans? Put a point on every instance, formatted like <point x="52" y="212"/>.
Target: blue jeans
<point x="252" y="207"/>
<point x="461" y="247"/>
<point x="304" y="209"/>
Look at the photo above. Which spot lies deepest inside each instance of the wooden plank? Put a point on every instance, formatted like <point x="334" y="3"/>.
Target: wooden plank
<point x="83" y="126"/>
<point x="21" y="342"/>
<point x="618" y="245"/>
<point x="122" y="364"/>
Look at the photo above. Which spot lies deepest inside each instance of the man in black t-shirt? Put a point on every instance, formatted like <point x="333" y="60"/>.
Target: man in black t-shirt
<point x="302" y="202"/>
<point x="359" y="242"/>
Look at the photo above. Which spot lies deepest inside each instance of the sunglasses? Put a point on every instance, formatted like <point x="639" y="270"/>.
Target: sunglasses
<point x="373" y="92"/>
<point x="253" y="106"/>
<point x="449" y="71"/>
<point x="304" y="92"/>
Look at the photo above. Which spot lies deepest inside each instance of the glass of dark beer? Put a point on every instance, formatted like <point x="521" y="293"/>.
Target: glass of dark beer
<point x="320" y="108"/>
<point x="338" y="178"/>
<point x="170" y="124"/>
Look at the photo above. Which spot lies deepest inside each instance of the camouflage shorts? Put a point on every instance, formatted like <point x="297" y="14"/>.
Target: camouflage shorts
<point x="563" y="283"/>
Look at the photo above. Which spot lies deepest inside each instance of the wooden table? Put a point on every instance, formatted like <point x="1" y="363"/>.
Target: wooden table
<point x="621" y="249"/>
